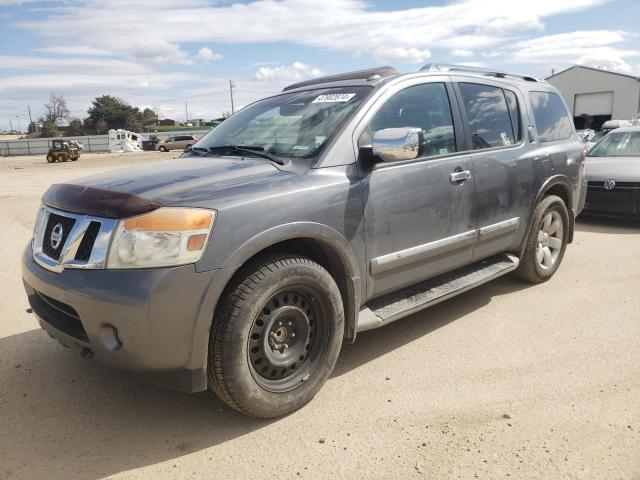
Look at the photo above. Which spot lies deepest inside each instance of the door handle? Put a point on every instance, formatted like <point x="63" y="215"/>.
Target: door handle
<point x="459" y="176"/>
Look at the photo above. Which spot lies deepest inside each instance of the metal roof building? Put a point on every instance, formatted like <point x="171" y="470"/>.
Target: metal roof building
<point x="596" y="95"/>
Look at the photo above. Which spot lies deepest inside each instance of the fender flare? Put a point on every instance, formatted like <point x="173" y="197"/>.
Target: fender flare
<point x="563" y="181"/>
<point x="290" y="231"/>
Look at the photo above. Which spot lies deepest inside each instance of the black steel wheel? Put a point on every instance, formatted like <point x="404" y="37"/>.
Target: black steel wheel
<point x="276" y="336"/>
<point x="286" y="342"/>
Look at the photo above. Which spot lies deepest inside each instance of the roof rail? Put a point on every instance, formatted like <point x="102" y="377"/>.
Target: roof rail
<point x="444" y="67"/>
<point x="369" y="74"/>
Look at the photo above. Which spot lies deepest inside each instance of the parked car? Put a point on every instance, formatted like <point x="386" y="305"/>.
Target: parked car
<point x="62" y="151"/>
<point x="613" y="174"/>
<point x="340" y="205"/>
<point x="179" y="142"/>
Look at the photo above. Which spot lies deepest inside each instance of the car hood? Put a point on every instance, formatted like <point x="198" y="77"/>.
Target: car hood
<point x="187" y="180"/>
<point x="620" y="169"/>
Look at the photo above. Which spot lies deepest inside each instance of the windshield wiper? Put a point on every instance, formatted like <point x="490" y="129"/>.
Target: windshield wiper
<point x="257" y="151"/>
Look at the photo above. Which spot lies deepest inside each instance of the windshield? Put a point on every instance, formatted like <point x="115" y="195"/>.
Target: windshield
<point x="290" y="125"/>
<point x="599" y="135"/>
<point x="622" y="144"/>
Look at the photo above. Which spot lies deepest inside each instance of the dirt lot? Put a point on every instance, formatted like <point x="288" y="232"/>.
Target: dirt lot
<point x="508" y="380"/>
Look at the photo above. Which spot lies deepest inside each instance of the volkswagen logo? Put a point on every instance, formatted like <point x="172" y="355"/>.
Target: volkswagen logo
<point x="609" y="184"/>
<point x="56" y="236"/>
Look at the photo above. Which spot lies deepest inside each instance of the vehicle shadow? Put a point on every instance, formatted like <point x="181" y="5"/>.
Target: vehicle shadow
<point x="603" y="224"/>
<point x="63" y="417"/>
<point x="375" y="343"/>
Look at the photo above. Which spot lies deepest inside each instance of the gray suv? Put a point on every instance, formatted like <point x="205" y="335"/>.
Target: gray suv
<point x="340" y="205"/>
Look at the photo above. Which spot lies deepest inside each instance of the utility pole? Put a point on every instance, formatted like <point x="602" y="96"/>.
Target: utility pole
<point x="30" y="119"/>
<point x="19" y="124"/>
<point x="231" y="85"/>
<point x="10" y="125"/>
<point x="186" y="113"/>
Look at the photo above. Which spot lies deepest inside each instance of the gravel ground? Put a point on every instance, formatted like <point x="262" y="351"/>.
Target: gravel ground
<point x="507" y="380"/>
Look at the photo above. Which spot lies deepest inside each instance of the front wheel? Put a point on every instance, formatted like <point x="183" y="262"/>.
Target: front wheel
<point x="50" y="158"/>
<point x="276" y="336"/>
<point x="60" y="157"/>
<point x="162" y="148"/>
<point x="546" y="242"/>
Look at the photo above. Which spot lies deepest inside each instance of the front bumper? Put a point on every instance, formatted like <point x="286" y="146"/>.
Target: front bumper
<point x="622" y="201"/>
<point x="154" y="322"/>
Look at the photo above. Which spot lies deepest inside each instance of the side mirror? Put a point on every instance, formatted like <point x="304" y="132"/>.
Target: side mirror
<point x="396" y="144"/>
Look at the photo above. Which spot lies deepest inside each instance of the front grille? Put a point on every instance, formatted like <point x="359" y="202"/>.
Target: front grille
<point x="86" y="245"/>
<point x="66" y="224"/>
<point x="59" y="315"/>
<point x="619" y="186"/>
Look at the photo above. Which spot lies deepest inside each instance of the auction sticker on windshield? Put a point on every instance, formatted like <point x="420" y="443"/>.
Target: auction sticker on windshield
<point x="334" y="97"/>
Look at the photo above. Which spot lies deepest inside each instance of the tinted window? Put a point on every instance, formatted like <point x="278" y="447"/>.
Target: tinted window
<point x="552" y="120"/>
<point x="488" y="116"/>
<point x="425" y="107"/>
<point x="514" y="114"/>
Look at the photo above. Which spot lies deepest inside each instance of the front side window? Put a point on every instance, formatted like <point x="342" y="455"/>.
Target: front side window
<point x="292" y="125"/>
<point x="618" y="144"/>
<point x="552" y="119"/>
<point x="425" y="107"/>
<point x="488" y="116"/>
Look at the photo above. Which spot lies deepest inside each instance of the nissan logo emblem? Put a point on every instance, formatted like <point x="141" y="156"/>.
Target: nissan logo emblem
<point x="56" y="236"/>
<point x="609" y="184"/>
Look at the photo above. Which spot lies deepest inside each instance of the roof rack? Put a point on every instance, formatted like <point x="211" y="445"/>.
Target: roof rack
<point x="370" y="74"/>
<point x="444" y="67"/>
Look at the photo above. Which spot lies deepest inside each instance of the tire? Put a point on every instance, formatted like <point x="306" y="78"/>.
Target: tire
<point x="50" y="158"/>
<point x="273" y="298"/>
<point x="543" y="253"/>
<point x="60" y="158"/>
<point x="162" y="148"/>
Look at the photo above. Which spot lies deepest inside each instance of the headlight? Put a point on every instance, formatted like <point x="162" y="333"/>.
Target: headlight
<point x="164" y="237"/>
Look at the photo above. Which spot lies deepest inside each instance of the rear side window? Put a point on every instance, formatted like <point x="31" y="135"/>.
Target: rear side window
<point x="552" y="120"/>
<point x="488" y="116"/>
<point x="425" y="107"/>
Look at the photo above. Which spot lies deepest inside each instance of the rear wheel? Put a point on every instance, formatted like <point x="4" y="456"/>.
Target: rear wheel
<point x="50" y="158"/>
<point x="60" y="157"/>
<point x="547" y="241"/>
<point x="162" y="148"/>
<point x="276" y="337"/>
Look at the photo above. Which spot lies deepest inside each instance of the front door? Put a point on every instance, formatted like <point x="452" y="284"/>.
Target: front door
<point x="418" y="213"/>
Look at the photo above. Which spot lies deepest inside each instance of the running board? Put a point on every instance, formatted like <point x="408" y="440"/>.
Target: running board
<point x="395" y="305"/>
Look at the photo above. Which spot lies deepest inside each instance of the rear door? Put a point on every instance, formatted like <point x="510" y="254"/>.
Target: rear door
<point x="418" y="213"/>
<point x="502" y="164"/>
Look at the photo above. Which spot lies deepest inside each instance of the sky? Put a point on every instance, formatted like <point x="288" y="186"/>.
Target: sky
<point x="162" y="54"/>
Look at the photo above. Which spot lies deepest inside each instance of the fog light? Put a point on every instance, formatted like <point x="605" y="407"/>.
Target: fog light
<point x="109" y="337"/>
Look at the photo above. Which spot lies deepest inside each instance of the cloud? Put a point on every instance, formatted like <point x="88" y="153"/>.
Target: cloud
<point x="353" y="26"/>
<point x="288" y="73"/>
<point x="597" y="48"/>
<point x="461" y="52"/>
<point x="402" y="55"/>
<point x="205" y="55"/>
<point x="101" y="66"/>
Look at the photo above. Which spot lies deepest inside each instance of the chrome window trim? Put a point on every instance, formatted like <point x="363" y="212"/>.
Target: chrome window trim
<point x="99" y="252"/>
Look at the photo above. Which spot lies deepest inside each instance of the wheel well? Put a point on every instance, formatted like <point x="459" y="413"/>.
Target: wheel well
<point x="561" y="191"/>
<point x="323" y="254"/>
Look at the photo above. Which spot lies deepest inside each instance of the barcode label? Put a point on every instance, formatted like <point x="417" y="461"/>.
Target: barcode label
<point x="334" y="97"/>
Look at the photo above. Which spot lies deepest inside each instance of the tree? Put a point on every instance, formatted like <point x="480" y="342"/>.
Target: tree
<point x="149" y="115"/>
<point x="56" y="109"/>
<point x="101" y="126"/>
<point x="115" y="113"/>
<point x="75" y="127"/>
<point x="33" y="128"/>
<point x="49" y="129"/>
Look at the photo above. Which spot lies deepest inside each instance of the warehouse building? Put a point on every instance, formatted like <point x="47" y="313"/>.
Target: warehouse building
<point x="595" y="96"/>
